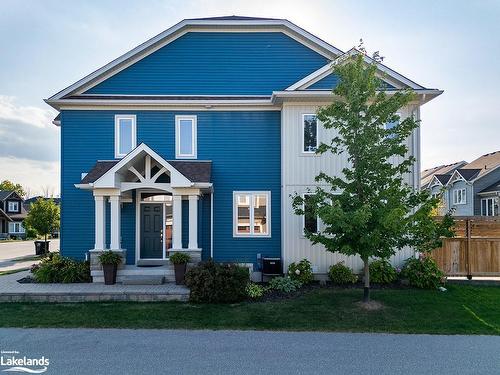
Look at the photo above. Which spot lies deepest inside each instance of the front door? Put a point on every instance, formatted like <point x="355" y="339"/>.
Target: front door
<point x="151" y="231"/>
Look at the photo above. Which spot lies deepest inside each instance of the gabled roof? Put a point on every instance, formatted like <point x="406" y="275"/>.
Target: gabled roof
<point x="492" y="188"/>
<point x="447" y="169"/>
<point x="443" y="178"/>
<point x="485" y="163"/>
<point x="3" y="214"/>
<point x="4" y="194"/>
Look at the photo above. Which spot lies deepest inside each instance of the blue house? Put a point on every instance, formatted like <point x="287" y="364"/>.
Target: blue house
<point x="194" y="140"/>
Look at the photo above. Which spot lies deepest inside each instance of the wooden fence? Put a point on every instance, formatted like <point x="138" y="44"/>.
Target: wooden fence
<point x="475" y="249"/>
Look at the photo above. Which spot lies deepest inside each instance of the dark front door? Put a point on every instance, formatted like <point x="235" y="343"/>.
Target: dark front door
<point x="151" y="230"/>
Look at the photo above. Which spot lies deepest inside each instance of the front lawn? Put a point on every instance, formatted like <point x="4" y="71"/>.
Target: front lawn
<point x="460" y="310"/>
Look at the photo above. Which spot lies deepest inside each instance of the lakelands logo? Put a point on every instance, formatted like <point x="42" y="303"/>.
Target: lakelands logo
<point x="15" y="362"/>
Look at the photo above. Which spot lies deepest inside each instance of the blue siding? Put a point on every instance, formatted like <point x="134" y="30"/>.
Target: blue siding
<point x="332" y="80"/>
<point x="245" y="151"/>
<point x="212" y="63"/>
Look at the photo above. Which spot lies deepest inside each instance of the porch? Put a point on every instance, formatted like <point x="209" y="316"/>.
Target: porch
<point x="162" y="194"/>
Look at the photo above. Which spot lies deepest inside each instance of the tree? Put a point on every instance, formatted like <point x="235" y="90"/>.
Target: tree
<point x="43" y="217"/>
<point x="369" y="210"/>
<point x="9" y="185"/>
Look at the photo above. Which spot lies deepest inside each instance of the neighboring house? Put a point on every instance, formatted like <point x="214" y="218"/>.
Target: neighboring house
<point x="471" y="189"/>
<point x="194" y="141"/>
<point x="12" y="214"/>
<point x="427" y="174"/>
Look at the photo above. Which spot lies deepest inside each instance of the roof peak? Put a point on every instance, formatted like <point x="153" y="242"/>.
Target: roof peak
<point x="235" y="18"/>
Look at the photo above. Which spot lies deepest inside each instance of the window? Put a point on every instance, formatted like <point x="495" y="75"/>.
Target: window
<point x="251" y="211"/>
<point x="13" y="206"/>
<point x="309" y="134"/>
<point x="185" y="137"/>
<point x="392" y="124"/>
<point x="125" y="134"/>
<point x="459" y="196"/>
<point x="310" y="221"/>
<point x="16" y="228"/>
<point x="489" y="206"/>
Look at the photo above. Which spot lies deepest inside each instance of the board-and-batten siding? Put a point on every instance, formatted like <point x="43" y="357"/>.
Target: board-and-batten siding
<point x="298" y="173"/>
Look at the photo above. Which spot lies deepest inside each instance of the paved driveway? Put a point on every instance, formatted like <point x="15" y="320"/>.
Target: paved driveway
<point x="11" y="253"/>
<point x="90" y="351"/>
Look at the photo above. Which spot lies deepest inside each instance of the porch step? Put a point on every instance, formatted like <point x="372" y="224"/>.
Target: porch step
<point x="143" y="280"/>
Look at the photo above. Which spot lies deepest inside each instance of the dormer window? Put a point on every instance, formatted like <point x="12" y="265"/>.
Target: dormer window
<point x="13" y="206"/>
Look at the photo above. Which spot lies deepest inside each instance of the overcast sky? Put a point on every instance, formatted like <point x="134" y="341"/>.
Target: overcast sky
<point x="451" y="45"/>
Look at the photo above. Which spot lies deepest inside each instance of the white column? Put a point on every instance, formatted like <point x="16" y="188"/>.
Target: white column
<point x="115" y="222"/>
<point x="193" y="222"/>
<point x="177" y="222"/>
<point x="100" y="223"/>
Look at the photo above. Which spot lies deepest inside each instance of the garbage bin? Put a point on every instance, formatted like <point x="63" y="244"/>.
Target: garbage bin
<point x="41" y="247"/>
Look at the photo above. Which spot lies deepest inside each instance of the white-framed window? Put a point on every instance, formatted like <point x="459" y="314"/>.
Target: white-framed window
<point x="392" y="124"/>
<point x="309" y="133"/>
<point x="459" y="196"/>
<point x="185" y="137"/>
<point x="16" y="227"/>
<point x="252" y="214"/>
<point x="125" y="134"/>
<point x="13" y="206"/>
<point x="489" y="206"/>
<point x="310" y="222"/>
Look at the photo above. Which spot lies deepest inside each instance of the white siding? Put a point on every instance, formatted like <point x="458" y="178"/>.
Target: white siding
<point x="298" y="173"/>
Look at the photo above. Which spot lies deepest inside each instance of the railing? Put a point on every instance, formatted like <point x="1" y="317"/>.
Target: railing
<point x="475" y="249"/>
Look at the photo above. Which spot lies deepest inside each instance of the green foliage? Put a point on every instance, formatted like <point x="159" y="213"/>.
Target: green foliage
<point x="369" y="210"/>
<point x="110" y="257"/>
<point x="382" y="272"/>
<point x="255" y="291"/>
<point x="423" y="273"/>
<point x="284" y="284"/>
<point x="30" y="232"/>
<point x="9" y="185"/>
<point x="301" y="271"/>
<point x="57" y="269"/>
<point x="340" y="274"/>
<point x="180" y="258"/>
<point x="44" y="217"/>
<point x="217" y="283"/>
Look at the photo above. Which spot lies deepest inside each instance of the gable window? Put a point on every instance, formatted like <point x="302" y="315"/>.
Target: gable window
<point x="185" y="137"/>
<point x="13" y="206"/>
<point x="459" y="196"/>
<point x="16" y="227"/>
<point x="251" y="212"/>
<point x="309" y="134"/>
<point x="125" y="134"/>
<point x="310" y="221"/>
<point x="489" y="206"/>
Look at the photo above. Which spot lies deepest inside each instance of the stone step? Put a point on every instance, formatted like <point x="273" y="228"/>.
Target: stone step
<point x="143" y="280"/>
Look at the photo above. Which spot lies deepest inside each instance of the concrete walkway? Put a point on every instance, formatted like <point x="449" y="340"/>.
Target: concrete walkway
<point x="12" y="291"/>
<point x="126" y="351"/>
<point x="16" y="255"/>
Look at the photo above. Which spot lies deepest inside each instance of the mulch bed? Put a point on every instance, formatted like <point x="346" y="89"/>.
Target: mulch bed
<point x="27" y="280"/>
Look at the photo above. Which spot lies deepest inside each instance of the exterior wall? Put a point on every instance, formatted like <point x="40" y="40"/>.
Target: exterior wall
<point x="245" y="151"/>
<point x="466" y="209"/>
<point x="217" y="63"/>
<point x="298" y="173"/>
<point x="481" y="184"/>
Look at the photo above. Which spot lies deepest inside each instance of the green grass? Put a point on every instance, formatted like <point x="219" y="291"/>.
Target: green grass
<point x="460" y="310"/>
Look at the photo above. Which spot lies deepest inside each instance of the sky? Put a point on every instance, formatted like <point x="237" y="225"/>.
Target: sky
<point x="451" y="45"/>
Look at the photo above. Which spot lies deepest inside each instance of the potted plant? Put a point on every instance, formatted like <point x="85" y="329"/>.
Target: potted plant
<point x="179" y="260"/>
<point x="110" y="261"/>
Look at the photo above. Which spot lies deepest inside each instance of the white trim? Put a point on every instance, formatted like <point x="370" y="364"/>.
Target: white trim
<point x="303" y="135"/>
<point x="212" y="225"/>
<point x="12" y="227"/>
<point x="9" y="203"/>
<point x="307" y="79"/>
<point x="118" y="118"/>
<point x="494" y="200"/>
<point x="251" y="195"/>
<point x="194" y="136"/>
<point x="463" y="196"/>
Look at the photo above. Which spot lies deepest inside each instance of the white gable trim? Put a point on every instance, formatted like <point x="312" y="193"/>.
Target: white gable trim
<point x="456" y="176"/>
<point x="185" y="26"/>
<point x="108" y="179"/>
<point x="434" y="182"/>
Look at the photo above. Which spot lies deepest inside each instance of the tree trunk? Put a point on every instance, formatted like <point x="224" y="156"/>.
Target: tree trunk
<point x="366" y="289"/>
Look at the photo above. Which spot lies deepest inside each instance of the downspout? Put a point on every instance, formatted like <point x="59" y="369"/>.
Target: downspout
<point x="212" y="224"/>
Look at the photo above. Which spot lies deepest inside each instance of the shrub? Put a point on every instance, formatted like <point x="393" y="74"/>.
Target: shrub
<point x="382" y="272"/>
<point x="301" y="271"/>
<point x="110" y="257"/>
<point x="57" y="269"/>
<point x="341" y="274"/>
<point x="423" y="273"/>
<point x="180" y="258"/>
<point x="284" y="284"/>
<point x="217" y="283"/>
<point x="255" y="291"/>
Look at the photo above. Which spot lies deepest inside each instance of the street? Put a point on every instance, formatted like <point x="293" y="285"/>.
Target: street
<point x="12" y="252"/>
<point x="113" y="351"/>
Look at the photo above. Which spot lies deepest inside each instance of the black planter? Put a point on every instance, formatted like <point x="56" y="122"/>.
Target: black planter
<point x="41" y="247"/>
<point x="180" y="272"/>
<point x="109" y="273"/>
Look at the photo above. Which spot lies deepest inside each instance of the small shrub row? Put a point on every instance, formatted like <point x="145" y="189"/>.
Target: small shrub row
<point x="58" y="269"/>
<point x="423" y="273"/>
